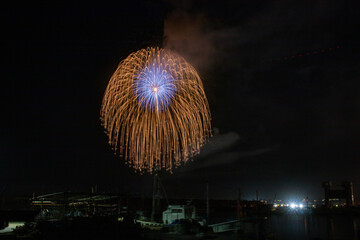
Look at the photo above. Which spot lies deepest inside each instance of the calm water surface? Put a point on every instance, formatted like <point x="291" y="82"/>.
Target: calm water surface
<point x="296" y="227"/>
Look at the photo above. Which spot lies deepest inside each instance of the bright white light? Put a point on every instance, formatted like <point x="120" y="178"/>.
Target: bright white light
<point x="275" y="205"/>
<point x="301" y="206"/>
<point x="292" y="205"/>
<point x="155" y="89"/>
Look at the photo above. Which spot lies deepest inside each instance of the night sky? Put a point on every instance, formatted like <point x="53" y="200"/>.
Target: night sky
<point x="283" y="123"/>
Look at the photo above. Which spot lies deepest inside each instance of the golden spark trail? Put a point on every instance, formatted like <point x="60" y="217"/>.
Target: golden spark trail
<point x="155" y="111"/>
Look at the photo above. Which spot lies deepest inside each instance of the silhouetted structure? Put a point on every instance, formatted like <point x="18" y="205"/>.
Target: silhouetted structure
<point x="157" y="187"/>
<point x="346" y="193"/>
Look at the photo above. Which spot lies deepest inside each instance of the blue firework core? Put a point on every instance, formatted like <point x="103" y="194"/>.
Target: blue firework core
<point x="154" y="87"/>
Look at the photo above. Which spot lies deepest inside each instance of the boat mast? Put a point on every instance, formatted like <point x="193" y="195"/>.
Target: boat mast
<point x="207" y="201"/>
<point x="156" y="195"/>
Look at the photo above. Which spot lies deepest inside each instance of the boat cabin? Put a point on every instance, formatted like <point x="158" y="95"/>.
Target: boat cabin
<point x="177" y="212"/>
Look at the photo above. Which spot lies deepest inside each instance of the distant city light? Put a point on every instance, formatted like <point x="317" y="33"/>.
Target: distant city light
<point x="295" y="206"/>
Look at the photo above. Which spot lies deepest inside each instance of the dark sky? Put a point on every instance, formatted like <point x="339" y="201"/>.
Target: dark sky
<point x="282" y="126"/>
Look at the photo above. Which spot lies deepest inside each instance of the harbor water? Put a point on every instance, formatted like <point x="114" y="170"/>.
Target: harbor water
<point x="314" y="227"/>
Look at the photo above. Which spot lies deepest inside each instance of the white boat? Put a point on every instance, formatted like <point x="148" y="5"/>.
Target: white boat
<point x="177" y="212"/>
<point x="228" y="226"/>
<point x="150" y="225"/>
<point x="244" y="224"/>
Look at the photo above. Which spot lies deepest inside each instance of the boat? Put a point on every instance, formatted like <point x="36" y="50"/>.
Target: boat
<point x="244" y="224"/>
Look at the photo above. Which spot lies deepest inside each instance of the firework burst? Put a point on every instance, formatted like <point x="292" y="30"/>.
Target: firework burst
<point x="155" y="111"/>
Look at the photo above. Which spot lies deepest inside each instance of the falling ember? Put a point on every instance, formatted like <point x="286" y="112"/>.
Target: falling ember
<point x="155" y="111"/>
